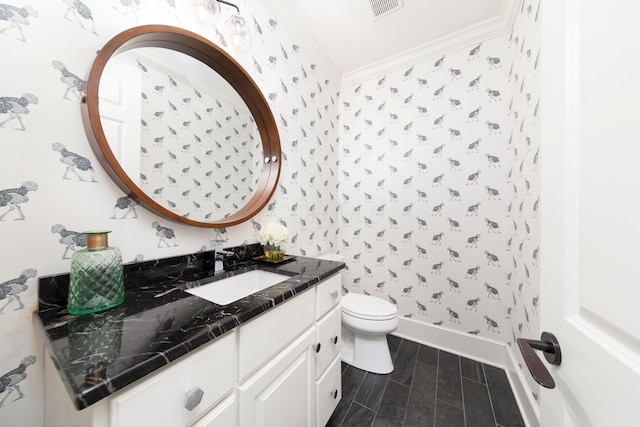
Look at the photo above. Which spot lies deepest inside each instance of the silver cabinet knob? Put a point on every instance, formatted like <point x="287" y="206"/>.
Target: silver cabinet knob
<point x="334" y="294"/>
<point x="193" y="398"/>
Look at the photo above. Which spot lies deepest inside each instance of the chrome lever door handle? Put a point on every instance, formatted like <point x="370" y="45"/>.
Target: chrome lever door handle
<point x="549" y="345"/>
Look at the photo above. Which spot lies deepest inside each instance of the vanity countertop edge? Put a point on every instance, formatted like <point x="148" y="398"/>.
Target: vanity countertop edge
<point x="159" y="322"/>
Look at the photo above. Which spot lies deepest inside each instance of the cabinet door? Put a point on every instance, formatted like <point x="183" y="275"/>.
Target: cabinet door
<point x="282" y="393"/>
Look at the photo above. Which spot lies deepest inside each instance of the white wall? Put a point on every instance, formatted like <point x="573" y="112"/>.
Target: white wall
<point x="303" y="97"/>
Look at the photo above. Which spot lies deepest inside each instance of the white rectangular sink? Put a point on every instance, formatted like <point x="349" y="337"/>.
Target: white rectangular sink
<point x="225" y="291"/>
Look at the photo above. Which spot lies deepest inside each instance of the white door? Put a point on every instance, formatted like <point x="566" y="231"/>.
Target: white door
<point x="120" y="112"/>
<point x="590" y="207"/>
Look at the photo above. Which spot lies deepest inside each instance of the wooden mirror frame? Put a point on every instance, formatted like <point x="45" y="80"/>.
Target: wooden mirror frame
<point x="205" y="51"/>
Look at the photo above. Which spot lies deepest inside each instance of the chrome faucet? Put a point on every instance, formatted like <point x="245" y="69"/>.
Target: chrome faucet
<point x="219" y="254"/>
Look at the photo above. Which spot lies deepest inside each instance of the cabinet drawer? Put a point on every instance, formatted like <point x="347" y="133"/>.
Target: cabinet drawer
<point x="328" y="392"/>
<point x="328" y="294"/>
<point x="223" y="415"/>
<point x="264" y="336"/>
<point x="329" y="336"/>
<point x="160" y="400"/>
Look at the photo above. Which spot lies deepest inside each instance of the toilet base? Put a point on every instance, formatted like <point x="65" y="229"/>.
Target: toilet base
<point x="367" y="352"/>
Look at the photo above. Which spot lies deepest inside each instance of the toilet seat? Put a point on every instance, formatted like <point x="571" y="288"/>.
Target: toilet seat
<point x="367" y="307"/>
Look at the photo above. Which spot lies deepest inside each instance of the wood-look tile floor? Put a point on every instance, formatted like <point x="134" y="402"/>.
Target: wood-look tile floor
<point x="428" y="388"/>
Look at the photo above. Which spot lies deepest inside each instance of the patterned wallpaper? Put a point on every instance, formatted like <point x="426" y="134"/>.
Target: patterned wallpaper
<point x="52" y="186"/>
<point x="197" y="151"/>
<point x="524" y="179"/>
<point x="424" y="163"/>
<point x="440" y="187"/>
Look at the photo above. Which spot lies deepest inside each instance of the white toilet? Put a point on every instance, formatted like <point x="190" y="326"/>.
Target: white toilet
<point x="366" y="321"/>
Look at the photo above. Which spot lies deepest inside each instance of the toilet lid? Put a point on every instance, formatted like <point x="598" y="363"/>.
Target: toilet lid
<point x="367" y="307"/>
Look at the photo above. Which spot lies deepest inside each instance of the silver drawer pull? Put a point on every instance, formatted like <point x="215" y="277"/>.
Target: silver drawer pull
<point x="193" y="398"/>
<point x="334" y="294"/>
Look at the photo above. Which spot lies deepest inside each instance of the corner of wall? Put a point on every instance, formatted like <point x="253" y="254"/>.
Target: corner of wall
<point x="482" y="349"/>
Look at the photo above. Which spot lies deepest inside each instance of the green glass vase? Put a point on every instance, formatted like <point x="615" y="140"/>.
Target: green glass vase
<point x="97" y="279"/>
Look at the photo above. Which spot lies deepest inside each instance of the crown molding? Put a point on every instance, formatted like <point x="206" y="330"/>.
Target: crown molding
<point x="489" y="29"/>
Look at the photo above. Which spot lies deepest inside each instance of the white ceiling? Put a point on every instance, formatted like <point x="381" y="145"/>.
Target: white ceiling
<point x="351" y="39"/>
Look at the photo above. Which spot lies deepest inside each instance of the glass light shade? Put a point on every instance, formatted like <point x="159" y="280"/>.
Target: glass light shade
<point x="237" y="34"/>
<point x="208" y="12"/>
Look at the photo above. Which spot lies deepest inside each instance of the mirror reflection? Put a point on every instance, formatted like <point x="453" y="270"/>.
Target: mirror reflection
<point x="180" y="132"/>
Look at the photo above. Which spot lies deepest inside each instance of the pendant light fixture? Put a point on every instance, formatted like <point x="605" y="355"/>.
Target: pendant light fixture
<point x="235" y="33"/>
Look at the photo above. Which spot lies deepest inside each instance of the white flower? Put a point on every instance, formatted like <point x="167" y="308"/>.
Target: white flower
<point x="273" y="234"/>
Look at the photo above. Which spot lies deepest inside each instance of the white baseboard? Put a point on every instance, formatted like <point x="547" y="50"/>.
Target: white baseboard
<point x="481" y="349"/>
<point x="528" y="406"/>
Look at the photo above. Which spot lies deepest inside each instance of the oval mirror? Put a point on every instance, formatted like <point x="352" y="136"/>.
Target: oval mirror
<point x="181" y="127"/>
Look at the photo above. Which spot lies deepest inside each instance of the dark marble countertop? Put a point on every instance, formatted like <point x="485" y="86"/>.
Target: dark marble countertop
<point x="159" y="322"/>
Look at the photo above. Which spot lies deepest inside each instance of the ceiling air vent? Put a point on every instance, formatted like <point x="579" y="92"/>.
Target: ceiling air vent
<point x="381" y="8"/>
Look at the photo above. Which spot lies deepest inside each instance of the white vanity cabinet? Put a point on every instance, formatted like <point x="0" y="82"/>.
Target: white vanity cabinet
<point x="282" y="392"/>
<point x="282" y="368"/>
<point x="298" y="387"/>
<point x="275" y="368"/>
<point x="328" y="379"/>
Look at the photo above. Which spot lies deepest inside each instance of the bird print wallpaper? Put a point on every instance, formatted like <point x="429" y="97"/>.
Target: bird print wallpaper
<point x="200" y="151"/>
<point x="440" y="187"/>
<point x="523" y="280"/>
<point x="424" y="160"/>
<point x="424" y="178"/>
